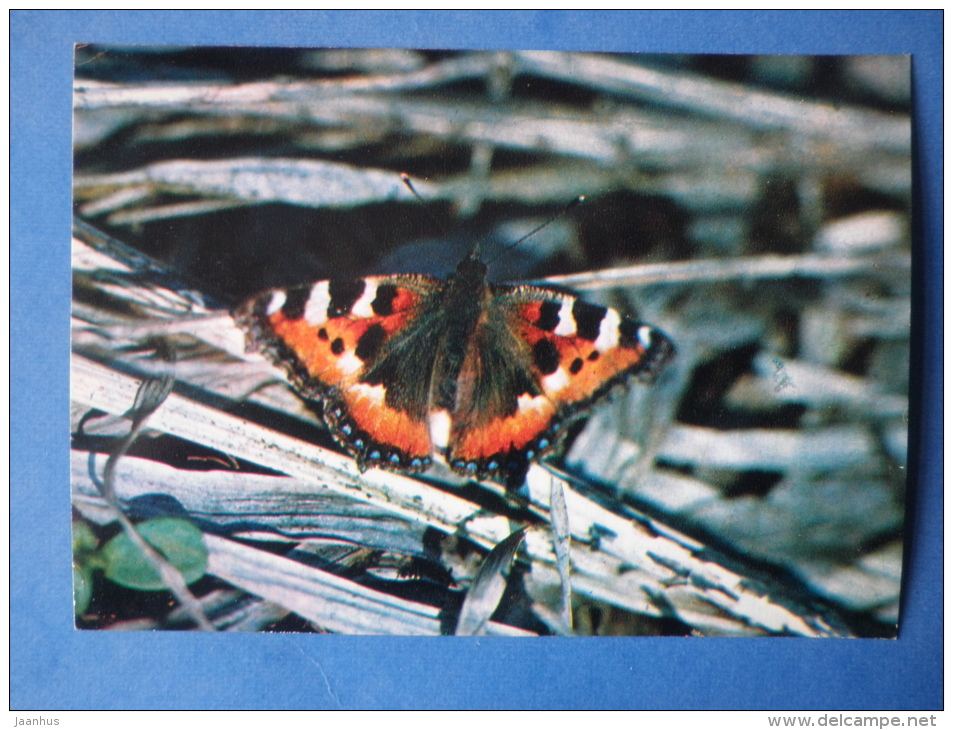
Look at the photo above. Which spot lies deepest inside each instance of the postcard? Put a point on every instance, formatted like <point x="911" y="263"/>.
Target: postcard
<point x="524" y="343"/>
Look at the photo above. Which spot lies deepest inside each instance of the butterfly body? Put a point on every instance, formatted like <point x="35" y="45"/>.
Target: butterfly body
<point x="485" y="377"/>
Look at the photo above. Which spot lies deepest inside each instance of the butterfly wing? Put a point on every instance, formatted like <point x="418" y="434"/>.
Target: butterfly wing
<point x="539" y="360"/>
<point x="360" y="347"/>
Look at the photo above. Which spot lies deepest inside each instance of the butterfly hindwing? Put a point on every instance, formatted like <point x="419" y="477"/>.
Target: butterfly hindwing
<point x="501" y="412"/>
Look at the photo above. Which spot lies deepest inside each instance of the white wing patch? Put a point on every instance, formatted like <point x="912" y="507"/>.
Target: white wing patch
<point x="555" y="382"/>
<point x="362" y="307"/>
<point x="316" y="310"/>
<point x="275" y="302"/>
<point x="440" y="428"/>
<point x="567" y="322"/>
<point x="608" y="331"/>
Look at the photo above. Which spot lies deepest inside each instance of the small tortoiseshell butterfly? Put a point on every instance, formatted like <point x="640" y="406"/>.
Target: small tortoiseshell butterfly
<point x="410" y="368"/>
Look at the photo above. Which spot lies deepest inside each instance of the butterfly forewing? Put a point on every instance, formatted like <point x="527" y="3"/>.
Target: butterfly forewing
<point x="354" y="345"/>
<point x="581" y="350"/>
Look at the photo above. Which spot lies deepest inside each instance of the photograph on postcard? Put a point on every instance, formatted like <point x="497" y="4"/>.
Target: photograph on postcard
<point x="417" y="342"/>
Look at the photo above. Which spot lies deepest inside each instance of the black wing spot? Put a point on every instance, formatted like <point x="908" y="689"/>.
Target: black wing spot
<point x="337" y="347"/>
<point x="323" y="334"/>
<point x="343" y="294"/>
<point x="629" y="333"/>
<point x="588" y="318"/>
<point x="548" y="316"/>
<point x="383" y="304"/>
<point x="576" y="365"/>
<point x="295" y="301"/>
<point x="370" y="342"/>
<point x="546" y="357"/>
<point x="593" y="356"/>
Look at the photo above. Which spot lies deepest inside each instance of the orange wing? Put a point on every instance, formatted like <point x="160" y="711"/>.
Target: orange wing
<point x="330" y="336"/>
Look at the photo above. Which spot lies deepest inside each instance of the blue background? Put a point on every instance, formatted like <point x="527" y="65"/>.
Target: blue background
<point x="54" y="667"/>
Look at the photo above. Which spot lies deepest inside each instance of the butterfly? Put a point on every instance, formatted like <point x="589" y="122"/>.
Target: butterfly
<point x="410" y="368"/>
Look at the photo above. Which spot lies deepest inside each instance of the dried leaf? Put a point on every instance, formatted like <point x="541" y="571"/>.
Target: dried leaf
<point x="487" y="588"/>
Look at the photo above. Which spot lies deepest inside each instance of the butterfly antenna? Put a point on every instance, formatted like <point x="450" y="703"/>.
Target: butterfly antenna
<point x="410" y="186"/>
<point x="568" y="207"/>
<point x="433" y="219"/>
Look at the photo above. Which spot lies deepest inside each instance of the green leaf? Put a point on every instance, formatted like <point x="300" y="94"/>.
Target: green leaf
<point x="178" y="540"/>
<point x="82" y="589"/>
<point x="84" y="541"/>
